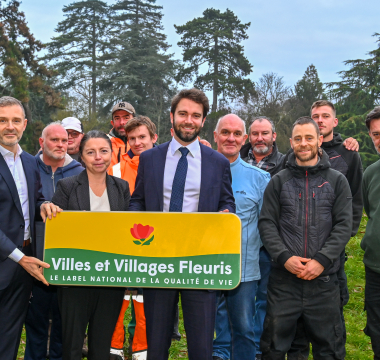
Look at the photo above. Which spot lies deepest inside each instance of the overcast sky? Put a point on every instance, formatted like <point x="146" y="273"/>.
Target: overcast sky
<point x="284" y="37"/>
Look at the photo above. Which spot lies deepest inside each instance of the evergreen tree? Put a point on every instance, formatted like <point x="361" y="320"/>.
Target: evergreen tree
<point x="23" y="76"/>
<point x="214" y="39"/>
<point x="81" y="49"/>
<point x="306" y="91"/>
<point x="355" y="95"/>
<point x="141" y="71"/>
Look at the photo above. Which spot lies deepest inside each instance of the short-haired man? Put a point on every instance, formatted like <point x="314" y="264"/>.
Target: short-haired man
<point x="182" y="175"/>
<point x="141" y="136"/>
<point x="75" y="133"/>
<point x="305" y="223"/>
<point x="21" y="200"/>
<point x="349" y="164"/>
<point x="371" y="240"/>
<point x="261" y="150"/>
<point x="54" y="164"/>
<point x="248" y="185"/>
<point x="122" y="112"/>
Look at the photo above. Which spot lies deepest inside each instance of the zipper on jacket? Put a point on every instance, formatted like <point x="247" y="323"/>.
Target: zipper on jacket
<point x="52" y="177"/>
<point x="313" y="208"/>
<point x="306" y="212"/>
<point x="300" y="209"/>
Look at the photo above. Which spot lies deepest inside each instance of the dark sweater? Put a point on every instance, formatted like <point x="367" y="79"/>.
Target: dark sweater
<point x="371" y="198"/>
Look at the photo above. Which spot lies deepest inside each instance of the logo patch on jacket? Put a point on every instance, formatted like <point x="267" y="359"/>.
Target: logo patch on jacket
<point x="326" y="182"/>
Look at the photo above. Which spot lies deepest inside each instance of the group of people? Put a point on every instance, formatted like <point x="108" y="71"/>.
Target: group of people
<point x="298" y="211"/>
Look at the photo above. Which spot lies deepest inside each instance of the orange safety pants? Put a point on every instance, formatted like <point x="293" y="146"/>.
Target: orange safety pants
<point x="139" y="343"/>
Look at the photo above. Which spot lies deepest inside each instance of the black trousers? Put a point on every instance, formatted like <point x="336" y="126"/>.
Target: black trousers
<point x="97" y="307"/>
<point x="42" y="305"/>
<point x="14" y="301"/>
<point x="316" y="301"/>
<point x="198" y="308"/>
<point x="372" y="306"/>
<point x="300" y="346"/>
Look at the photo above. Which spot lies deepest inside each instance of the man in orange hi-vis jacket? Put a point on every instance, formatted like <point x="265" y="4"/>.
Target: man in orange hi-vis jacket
<point x="141" y="133"/>
<point x="122" y="112"/>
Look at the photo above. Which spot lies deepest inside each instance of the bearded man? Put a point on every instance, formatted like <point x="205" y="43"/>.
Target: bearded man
<point x="305" y="223"/>
<point x="182" y="175"/>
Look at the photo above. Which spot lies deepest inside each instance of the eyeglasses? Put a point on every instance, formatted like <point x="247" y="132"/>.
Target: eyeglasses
<point x="73" y="134"/>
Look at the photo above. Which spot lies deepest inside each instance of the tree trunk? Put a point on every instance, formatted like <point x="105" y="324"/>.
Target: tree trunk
<point x="215" y="85"/>
<point x="94" y="68"/>
<point x="28" y="113"/>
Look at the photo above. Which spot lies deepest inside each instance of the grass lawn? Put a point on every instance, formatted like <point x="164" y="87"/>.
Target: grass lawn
<point x="358" y="345"/>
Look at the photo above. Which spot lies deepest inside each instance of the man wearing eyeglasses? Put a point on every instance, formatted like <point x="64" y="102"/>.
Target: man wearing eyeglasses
<point x="75" y="132"/>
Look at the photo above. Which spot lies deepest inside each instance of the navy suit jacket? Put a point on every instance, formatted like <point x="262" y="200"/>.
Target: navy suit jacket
<point x="12" y="222"/>
<point x="215" y="193"/>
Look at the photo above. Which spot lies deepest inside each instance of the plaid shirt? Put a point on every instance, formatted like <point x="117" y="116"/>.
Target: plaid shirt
<point x="262" y="164"/>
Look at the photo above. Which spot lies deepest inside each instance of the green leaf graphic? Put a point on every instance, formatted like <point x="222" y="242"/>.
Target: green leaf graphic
<point x="148" y="241"/>
<point x="137" y="242"/>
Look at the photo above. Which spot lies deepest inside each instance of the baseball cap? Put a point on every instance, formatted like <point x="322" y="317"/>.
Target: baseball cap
<point x="72" y="123"/>
<point x="123" y="105"/>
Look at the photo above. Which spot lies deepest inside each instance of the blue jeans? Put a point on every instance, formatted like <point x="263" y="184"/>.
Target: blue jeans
<point x="261" y="296"/>
<point x="234" y="323"/>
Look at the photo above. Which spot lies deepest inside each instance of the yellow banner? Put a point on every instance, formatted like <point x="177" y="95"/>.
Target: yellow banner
<point x="175" y="234"/>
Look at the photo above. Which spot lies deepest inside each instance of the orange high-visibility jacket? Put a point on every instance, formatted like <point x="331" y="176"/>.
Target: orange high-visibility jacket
<point x="126" y="169"/>
<point x="119" y="148"/>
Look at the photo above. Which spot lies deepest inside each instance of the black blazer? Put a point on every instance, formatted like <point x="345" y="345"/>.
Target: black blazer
<point x="73" y="193"/>
<point x="12" y="222"/>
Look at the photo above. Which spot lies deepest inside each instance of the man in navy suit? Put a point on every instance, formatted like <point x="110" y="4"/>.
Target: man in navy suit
<point x="20" y="201"/>
<point x="182" y="175"/>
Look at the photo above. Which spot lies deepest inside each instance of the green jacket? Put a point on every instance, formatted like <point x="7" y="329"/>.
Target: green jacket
<point x="371" y="198"/>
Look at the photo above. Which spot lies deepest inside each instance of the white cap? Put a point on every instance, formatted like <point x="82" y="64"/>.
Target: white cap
<point x="72" y="123"/>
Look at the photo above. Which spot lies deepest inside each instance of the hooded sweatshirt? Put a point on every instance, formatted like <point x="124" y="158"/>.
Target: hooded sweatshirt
<point x="49" y="179"/>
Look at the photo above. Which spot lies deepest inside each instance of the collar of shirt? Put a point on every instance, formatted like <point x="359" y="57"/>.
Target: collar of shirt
<point x="193" y="148"/>
<point x="236" y="161"/>
<point x="5" y="152"/>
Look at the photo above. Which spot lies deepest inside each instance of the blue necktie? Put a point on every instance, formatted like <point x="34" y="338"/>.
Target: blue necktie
<point x="179" y="180"/>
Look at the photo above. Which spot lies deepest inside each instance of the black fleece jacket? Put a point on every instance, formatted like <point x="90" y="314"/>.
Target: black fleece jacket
<point x="307" y="212"/>
<point x="350" y="165"/>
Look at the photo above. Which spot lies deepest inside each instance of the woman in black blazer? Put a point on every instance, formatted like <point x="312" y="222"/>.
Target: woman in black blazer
<point x="82" y="306"/>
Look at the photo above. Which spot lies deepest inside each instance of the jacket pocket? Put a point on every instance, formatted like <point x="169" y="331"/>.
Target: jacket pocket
<point x="313" y="209"/>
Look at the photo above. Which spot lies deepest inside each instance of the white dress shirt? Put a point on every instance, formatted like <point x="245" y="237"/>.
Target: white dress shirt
<point x="15" y="167"/>
<point x="193" y="177"/>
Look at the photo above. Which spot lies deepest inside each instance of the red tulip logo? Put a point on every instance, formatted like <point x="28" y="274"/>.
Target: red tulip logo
<point x="141" y="233"/>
